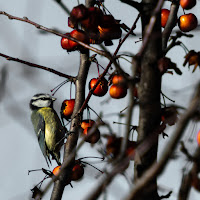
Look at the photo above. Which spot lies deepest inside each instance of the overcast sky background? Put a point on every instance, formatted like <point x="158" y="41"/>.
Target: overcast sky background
<point x="19" y="149"/>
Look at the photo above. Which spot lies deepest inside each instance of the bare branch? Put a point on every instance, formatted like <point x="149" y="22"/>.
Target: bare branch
<point x="9" y="58"/>
<point x="158" y="167"/>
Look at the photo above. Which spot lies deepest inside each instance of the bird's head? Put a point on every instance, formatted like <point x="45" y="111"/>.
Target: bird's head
<point x="41" y="100"/>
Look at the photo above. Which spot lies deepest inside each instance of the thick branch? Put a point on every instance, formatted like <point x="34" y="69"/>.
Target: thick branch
<point x="72" y="139"/>
<point x="149" y="92"/>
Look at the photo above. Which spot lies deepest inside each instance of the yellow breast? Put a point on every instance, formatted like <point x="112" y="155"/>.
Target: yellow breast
<point x="52" y="127"/>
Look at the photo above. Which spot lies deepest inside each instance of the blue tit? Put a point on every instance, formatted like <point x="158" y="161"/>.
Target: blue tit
<point x="47" y="126"/>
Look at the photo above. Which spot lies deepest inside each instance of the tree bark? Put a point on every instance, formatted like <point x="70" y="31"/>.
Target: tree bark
<point x="149" y="98"/>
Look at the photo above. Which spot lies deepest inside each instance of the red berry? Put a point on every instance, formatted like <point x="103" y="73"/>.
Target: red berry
<point x="164" y="17"/>
<point x="65" y="43"/>
<point x="56" y="170"/>
<point x="118" y="91"/>
<point x="79" y="13"/>
<point x="198" y="138"/>
<point x="93" y="20"/>
<point x="77" y="171"/>
<point x="67" y="108"/>
<point x="118" y="79"/>
<point x="187" y="4"/>
<point x="94" y="137"/>
<point x="70" y="45"/>
<point x="187" y="22"/>
<point x="101" y="88"/>
<point x="80" y="36"/>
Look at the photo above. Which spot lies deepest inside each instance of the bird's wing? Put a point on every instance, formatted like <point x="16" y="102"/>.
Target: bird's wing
<point x="39" y="126"/>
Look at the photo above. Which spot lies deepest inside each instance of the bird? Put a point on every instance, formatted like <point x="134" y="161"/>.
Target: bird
<point x="47" y="125"/>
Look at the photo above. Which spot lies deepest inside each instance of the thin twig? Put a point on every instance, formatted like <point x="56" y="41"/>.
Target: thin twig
<point x="9" y="58"/>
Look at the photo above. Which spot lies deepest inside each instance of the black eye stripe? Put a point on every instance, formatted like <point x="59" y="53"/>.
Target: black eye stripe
<point x="44" y="98"/>
<point x="39" y="99"/>
<point x="41" y="96"/>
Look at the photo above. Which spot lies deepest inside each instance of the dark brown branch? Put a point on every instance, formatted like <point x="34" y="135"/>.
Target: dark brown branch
<point x="157" y="168"/>
<point x="9" y="58"/>
<point x="149" y="93"/>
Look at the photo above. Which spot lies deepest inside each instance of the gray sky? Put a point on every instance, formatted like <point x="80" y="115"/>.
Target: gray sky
<point x="20" y="151"/>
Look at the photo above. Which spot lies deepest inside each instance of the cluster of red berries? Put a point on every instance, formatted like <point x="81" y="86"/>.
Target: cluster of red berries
<point x="88" y="125"/>
<point x="117" y="90"/>
<point x="119" y="87"/>
<point x="186" y="22"/>
<point x="98" y="27"/>
<point x="76" y="174"/>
